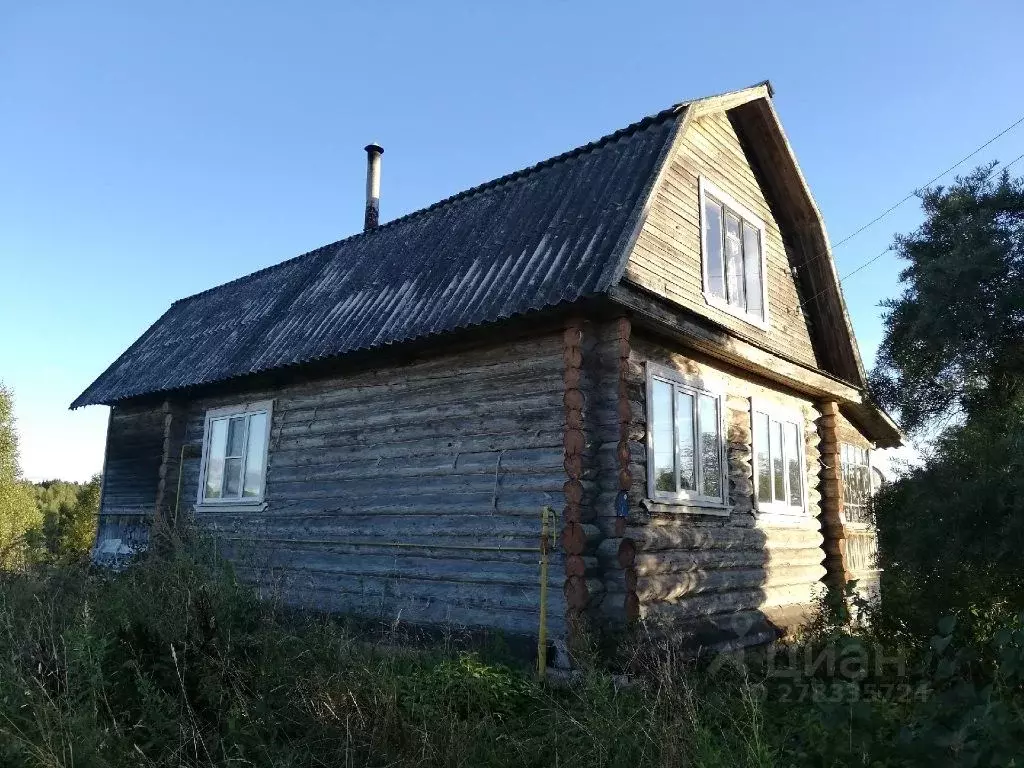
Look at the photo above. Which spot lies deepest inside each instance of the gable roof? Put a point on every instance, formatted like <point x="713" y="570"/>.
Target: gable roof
<point x="549" y="234"/>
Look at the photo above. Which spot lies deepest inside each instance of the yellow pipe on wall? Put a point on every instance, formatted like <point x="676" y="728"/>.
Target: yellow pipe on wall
<point x="547" y="528"/>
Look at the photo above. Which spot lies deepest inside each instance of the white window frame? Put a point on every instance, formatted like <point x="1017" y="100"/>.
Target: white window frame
<point x="706" y="188"/>
<point x="695" y="387"/>
<point x="780" y="413"/>
<point x="857" y="524"/>
<point x="265" y="406"/>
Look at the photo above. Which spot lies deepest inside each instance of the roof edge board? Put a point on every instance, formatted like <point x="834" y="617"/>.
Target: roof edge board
<point x="820" y="231"/>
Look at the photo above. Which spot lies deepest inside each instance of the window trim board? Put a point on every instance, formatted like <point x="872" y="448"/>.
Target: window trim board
<point x="706" y="187"/>
<point x="262" y="406"/>
<point x="688" y="501"/>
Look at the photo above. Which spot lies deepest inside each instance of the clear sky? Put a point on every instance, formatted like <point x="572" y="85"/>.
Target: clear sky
<point x="152" y="150"/>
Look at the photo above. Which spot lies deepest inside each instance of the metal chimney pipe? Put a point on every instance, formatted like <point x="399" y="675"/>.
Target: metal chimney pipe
<point x="372" y="217"/>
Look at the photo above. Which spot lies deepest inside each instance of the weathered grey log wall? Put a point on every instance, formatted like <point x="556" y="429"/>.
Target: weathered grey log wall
<point x="721" y="578"/>
<point x="404" y="492"/>
<point x="135" y="442"/>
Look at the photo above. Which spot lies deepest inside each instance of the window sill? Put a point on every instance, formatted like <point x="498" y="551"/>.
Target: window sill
<point x="777" y="517"/>
<point x="686" y="507"/>
<point x="729" y="309"/>
<point x="232" y="506"/>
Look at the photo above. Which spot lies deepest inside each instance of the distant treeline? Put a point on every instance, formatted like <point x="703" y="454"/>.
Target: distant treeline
<point x="43" y="522"/>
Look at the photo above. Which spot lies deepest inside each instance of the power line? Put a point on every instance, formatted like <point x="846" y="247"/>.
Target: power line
<point x="826" y="253"/>
<point x="928" y="183"/>
<point x="873" y="259"/>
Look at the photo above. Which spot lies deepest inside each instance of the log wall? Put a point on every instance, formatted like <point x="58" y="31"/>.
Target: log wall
<point x="736" y="576"/>
<point x="667" y="255"/>
<point x="403" y="492"/>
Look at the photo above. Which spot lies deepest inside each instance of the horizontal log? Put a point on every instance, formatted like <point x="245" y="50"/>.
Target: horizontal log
<point x="525" y="504"/>
<point x="675" y="586"/>
<point x="667" y="537"/>
<point x="422" y="565"/>
<point x="506" y="608"/>
<point x="674" y="561"/>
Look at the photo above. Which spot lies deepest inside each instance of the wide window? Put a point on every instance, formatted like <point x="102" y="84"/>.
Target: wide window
<point x="779" y="473"/>
<point x="855" y="463"/>
<point x="733" y="256"/>
<point x="684" y="441"/>
<point x="235" y="443"/>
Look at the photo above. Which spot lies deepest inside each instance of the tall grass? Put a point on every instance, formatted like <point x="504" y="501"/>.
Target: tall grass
<point x="174" y="663"/>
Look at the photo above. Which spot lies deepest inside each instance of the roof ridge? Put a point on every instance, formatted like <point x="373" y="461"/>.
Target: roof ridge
<point x="590" y="146"/>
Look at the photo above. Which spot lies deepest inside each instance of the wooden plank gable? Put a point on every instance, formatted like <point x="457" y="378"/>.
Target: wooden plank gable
<point x="667" y="256"/>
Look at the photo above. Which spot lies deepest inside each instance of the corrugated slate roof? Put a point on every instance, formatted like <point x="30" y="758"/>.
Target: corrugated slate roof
<point x="552" y="233"/>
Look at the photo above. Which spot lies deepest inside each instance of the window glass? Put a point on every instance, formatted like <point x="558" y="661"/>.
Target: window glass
<point x="236" y="436"/>
<point x="793" y="464"/>
<point x="713" y="243"/>
<point x="778" y="462"/>
<point x="235" y="454"/>
<point x="764" y="469"/>
<point x="734" y="261"/>
<point x="661" y="415"/>
<point x="686" y="442"/>
<point x="684" y="434"/>
<point x="733" y="258"/>
<point x="215" y="458"/>
<point x="778" y="466"/>
<point x="232" y="477"/>
<point x="710" y="447"/>
<point x="752" y="268"/>
<point x="856" y="471"/>
<point x="255" y="455"/>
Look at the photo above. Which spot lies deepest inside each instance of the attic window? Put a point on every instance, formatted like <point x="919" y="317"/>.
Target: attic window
<point x="732" y="247"/>
<point x="234" y="465"/>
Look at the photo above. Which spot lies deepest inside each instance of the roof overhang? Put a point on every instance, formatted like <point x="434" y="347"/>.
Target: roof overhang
<point x="703" y="335"/>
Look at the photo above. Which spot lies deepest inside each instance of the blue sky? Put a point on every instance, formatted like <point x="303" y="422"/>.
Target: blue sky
<point x="149" y="151"/>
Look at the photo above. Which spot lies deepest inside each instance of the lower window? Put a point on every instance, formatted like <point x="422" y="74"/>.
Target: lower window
<point x="235" y="441"/>
<point x="779" y="473"/>
<point x="685" y="441"/>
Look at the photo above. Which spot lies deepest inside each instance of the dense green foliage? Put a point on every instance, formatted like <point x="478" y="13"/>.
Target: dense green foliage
<point x="951" y="364"/>
<point x="953" y="341"/>
<point x="49" y="521"/>
<point x="18" y="511"/>
<point x="68" y="512"/>
<point x="951" y="532"/>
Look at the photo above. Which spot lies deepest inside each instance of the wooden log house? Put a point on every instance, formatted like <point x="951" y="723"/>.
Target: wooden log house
<point x="645" y="333"/>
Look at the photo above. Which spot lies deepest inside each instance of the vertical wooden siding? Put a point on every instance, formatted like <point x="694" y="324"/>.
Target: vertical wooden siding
<point x="667" y="255"/>
<point x="398" y="493"/>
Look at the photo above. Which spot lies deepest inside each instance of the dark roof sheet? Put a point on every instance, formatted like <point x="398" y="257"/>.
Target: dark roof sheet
<point x="552" y="233"/>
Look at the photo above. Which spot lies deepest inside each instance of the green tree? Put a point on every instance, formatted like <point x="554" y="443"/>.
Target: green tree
<point x="953" y="341"/>
<point x="19" y="515"/>
<point x="951" y="365"/>
<point x="69" y="512"/>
